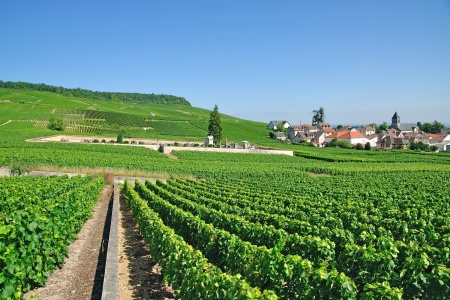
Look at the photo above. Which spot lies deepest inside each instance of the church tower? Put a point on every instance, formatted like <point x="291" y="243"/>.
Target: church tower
<point x="395" y="121"/>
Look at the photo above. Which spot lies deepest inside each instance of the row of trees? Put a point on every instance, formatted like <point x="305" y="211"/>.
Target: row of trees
<point x="88" y="94"/>
<point x="435" y="127"/>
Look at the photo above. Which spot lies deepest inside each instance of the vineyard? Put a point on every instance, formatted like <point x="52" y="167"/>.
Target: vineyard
<point x="325" y="224"/>
<point x="39" y="218"/>
<point x="351" y="237"/>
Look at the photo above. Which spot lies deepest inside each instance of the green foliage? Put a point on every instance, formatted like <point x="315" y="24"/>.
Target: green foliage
<point x="359" y="146"/>
<point x="39" y="218"/>
<point x="368" y="146"/>
<point x="110" y="96"/>
<point x="185" y="268"/>
<point x="375" y="243"/>
<point x="19" y="168"/>
<point x="119" y="137"/>
<point x="56" y="124"/>
<point x="215" y="126"/>
<point x="318" y="116"/>
<point x="419" y="146"/>
<point x="436" y="127"/>
<point x="339" y="144"/>
<point x="383" y="127"/>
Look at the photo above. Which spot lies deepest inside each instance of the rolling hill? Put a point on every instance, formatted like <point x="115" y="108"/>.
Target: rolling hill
<point x="142" y="119"/>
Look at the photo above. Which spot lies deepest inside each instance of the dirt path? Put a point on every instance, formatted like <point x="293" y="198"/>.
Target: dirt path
<point x="9" y="121"/>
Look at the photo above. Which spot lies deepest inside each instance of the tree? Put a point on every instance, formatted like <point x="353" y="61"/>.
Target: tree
<point x="383" y="127"/>
<point x="56" y="124"/>
<point x="120" y="137"/>
<point x="437" y="127"/>
<point x="376" y="127"/>
<point x="339" y="127"/>
<point x="318" y="116"/>
<point x="426" y="127"/>
<point x="359" y="146"/>
<point x="215" y="126"/>
<point x="422" y="146"/>
<point x="368" y="146"/>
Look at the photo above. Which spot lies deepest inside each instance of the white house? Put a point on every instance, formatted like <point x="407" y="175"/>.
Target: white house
<point x="353" y="137"/>
<point x="279" y="136"/>
<point x="275" y="124"/>
<point x="367" y="130"/>
<point x="318" y="138"/>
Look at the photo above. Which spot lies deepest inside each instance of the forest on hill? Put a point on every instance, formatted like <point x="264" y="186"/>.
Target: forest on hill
<point x="88" y="94"/>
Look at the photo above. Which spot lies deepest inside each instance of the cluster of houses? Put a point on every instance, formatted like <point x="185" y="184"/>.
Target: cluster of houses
<point x="397" y="136"/>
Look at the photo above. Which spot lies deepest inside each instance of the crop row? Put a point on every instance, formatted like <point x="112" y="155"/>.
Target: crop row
<point x="34" y="237"/>
<point x="185" y="268"/>
<point x="404" y="253"/>
<point x="289" y="275"/>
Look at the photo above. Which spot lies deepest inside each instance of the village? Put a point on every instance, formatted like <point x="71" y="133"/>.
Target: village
<point x="396" y="136"/>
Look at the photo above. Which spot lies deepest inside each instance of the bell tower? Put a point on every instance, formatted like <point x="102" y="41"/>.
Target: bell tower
<point x="395" y="121"/>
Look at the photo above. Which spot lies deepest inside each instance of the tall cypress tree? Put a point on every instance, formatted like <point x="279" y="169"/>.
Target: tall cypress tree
<point x="215" y="126"/>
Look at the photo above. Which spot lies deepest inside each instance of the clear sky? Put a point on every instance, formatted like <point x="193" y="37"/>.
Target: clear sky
<point x="256" y="59"/>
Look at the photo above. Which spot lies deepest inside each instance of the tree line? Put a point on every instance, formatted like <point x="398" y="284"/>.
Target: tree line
<point x="88" y="94"/>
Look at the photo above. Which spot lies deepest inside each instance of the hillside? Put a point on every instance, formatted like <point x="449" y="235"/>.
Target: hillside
<point x="141" y="119"/>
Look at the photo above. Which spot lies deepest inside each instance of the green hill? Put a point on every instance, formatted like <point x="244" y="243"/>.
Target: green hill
<point x="139" y="119"/>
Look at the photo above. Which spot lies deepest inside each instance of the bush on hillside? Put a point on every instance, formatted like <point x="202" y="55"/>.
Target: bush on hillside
<point x="56" y="124"/>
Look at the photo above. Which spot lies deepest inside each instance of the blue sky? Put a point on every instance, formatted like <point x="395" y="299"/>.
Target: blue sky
<point x="258" y="60"/>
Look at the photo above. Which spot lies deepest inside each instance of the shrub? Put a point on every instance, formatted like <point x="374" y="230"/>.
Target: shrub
<point x="18" y="168"/>
<point x="56" y="124"/>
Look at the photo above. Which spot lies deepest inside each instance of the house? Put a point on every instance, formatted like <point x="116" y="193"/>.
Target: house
<point x="275" y="124"/>
<point x="367" y="130"/>
<point x="405" y="128"/>
<point x="353" y="137"/>
<point x="323" y="125"/>
<point x="328" y="131"/>
<point x="279" y="136"/>
<point x="318" y="138"/>
<point x="373" y="139"/>
<point x="434" y="138"/>
<point x="307" y="128"/>
<point x="389" y="141"/>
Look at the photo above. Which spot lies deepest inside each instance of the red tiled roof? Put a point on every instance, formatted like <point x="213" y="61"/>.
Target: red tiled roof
<point x="327" y="129"/>
<point x="434" y="137"/>
<point x="352" y="135"/>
